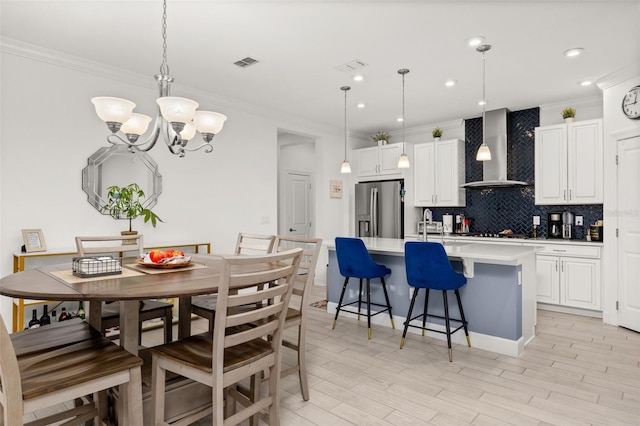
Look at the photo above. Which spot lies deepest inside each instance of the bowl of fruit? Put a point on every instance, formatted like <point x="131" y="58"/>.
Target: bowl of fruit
<point x="165" y="259"/>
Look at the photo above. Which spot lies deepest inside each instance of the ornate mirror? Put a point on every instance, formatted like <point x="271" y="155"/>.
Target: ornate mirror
<point x="115" y="165"/>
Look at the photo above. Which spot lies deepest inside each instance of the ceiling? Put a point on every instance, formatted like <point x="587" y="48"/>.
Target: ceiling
<point x="301" y="46"/>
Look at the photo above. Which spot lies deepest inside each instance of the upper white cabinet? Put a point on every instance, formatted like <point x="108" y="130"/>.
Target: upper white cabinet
<point x="438" y="172"/>
<point x="568" y="163"/>
<point x="379" y="161"/>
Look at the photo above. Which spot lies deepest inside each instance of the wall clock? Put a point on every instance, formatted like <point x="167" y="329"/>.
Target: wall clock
<point x="631" y="103"/>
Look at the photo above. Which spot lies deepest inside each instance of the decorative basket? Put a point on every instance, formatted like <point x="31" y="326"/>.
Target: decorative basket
<point x="95" y="266"/>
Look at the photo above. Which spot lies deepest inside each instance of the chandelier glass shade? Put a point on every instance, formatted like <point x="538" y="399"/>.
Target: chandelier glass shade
<point x="346" y="167"/>
<point x="177" y="118"/>
<point x="403" y="161"/>
<point x="484" y="153"/>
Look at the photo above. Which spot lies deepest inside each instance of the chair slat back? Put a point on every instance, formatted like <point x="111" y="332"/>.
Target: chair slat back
<point x="254" y="244"/>
<point x="109" y="244"/>
<point x="10" y="383"/>
<point x="232" y="326"/>
<point x="306" y="271"/>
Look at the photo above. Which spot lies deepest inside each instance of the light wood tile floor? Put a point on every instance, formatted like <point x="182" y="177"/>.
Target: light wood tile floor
<point x="576" y="371"/>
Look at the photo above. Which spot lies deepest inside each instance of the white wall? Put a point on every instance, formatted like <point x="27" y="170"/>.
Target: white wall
<point x="49" y="128"/>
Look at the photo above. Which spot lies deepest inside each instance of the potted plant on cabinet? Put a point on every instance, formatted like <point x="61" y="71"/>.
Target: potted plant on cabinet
<point x="125" y="202"/>
<point x="381" y="138"/>
<point x="437" y="133"/>
<point x="568" y="114"/>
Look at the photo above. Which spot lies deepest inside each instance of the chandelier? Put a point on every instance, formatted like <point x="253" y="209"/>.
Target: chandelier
<point x="346" y="167"/>
<point x="403" y="161"/>
<point x="177" y="118"/>
<point x="484" y="153"/>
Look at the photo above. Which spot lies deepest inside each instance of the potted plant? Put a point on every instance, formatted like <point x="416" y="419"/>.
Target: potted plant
<point x="568" y="114"/>
<point x="124" y="202"/>
<point x="436" y="133"/>
<point x="381" y="138"/>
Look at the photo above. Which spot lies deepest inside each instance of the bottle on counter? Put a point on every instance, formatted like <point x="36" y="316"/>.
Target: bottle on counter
<point x="35" y="322"/>
<point x="45" y="319"/>
<point x="64" y="315"/>
<point x="81" y="314"/>
<point x="54" y="318"/>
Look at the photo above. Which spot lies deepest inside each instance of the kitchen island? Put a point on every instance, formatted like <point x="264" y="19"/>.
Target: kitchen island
<point x="499" y="298"/>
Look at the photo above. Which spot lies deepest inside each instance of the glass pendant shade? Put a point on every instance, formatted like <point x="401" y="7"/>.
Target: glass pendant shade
<point x="346" y="167"/>
<point x="136" y="125"/>
<point x="113" y="110"/>
<point x="188" y="132"/>
<point x="209" y="122"/>
<point x="177" y="110"/>
<point x="403" y="162"/>
<point x="484" y="154"/>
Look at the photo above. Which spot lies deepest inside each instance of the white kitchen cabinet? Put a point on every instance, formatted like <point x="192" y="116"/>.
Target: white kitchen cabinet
<point x="570" y="276"/>
<point x="568" y="163"/>
<point x="379" y="161"/>
<point x="439" y="170"/>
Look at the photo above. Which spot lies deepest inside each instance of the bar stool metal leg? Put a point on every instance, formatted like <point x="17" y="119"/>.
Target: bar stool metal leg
<point x="408" y="320"/>
<point x="464" y="320"/>
<point x="359" y="299"/>
<point x="447" y="324"/>
<point x="369" y="308"/>
<point x="344" y="288"/>
<point x="426" y="306"/>
<point x="386" y="296"/>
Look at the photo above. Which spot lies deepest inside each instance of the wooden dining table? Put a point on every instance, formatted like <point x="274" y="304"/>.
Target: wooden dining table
<point x="137" y="282"/>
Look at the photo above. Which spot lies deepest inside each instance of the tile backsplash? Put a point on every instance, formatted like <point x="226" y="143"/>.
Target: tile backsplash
<point x="495" y="209"/>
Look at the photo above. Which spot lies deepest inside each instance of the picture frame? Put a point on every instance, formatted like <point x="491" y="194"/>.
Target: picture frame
<point x="33" y="240"/>
<point x="335" y="188"/>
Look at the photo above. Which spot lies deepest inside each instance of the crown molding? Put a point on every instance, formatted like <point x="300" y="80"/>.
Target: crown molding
<point x="590" y="101"/>
<point x="620" y="75"/>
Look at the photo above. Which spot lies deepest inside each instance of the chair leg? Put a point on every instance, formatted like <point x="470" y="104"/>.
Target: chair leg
<point x="424" y="312"/>
<point x="447" y="324"/>
<point x="158" y="377"/>
<point x="344" y="288"/>
<point x="369" y="307"/>
<point x="386" y="296"/>
<point x="168" y="325"/>
<point x="302" y="362"/>
<point x="464" y="320"/>
<point x="406" y="323"/>
<point x="359" y="299"/>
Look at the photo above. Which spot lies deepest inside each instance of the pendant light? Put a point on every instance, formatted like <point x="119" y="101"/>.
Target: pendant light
<point x="484" y="153"/>
<point x="346" y="167"/>
<point x="403" y="161"/>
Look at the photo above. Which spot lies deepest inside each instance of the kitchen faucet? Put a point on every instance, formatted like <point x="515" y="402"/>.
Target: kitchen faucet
<point x="426" y="213"/>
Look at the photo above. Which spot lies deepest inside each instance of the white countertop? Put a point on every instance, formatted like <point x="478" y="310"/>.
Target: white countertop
<point x="527" y="241"/>
<point x="505" y="254"/>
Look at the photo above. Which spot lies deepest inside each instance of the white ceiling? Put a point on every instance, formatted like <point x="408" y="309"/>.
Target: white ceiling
<point x="300" y="44"/>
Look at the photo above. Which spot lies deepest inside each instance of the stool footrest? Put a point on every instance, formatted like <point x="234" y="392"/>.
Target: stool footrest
<point x="431" y="329"/>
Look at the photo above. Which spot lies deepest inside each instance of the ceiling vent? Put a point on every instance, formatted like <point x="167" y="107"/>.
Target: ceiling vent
<point x="354" y="65"/>
<point x="248" y="61"/>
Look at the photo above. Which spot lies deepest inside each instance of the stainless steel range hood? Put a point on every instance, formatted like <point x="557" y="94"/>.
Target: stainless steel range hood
<point x="494" y="171"/>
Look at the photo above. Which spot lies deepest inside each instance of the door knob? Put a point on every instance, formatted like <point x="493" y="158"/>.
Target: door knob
<point x="292" y="230"/>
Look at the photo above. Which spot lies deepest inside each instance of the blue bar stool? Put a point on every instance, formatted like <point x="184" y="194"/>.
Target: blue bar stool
<point x="428" y="267"/>
<point x="355" y="261"/>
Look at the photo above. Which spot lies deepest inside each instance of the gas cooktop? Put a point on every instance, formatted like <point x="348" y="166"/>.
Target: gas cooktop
<point x="492" y="235"/>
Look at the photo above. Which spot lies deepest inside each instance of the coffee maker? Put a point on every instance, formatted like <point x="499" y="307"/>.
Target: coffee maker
<point x="554" y="225"/>
<point x="567" y="225"/>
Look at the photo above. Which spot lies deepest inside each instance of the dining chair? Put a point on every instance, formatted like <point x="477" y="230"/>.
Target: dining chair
<point x="354" y="260"/>
<point x="428" y="267"/>
<point x="247" y="244"/>
<point x="237" y="349"/>
<point x="49" y="366"/>
<point x="110" y="312"/>
<point x="297" y="311"/>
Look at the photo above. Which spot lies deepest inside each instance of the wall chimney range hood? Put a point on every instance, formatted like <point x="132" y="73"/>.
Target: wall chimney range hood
<point x="494" y="171"/>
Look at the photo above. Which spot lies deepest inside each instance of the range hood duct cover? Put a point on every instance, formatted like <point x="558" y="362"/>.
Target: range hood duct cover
<point x="494" y="171"/>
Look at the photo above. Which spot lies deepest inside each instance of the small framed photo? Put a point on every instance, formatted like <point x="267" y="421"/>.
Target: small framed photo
<point x="335" y="188"/>
<point x="33" y="240"/>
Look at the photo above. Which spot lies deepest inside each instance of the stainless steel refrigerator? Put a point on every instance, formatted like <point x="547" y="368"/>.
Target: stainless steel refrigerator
<point x="379" y="209"/>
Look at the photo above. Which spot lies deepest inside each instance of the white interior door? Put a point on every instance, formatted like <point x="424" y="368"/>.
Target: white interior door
<point x="297" y="204"/>
<point x="629" y="233"/>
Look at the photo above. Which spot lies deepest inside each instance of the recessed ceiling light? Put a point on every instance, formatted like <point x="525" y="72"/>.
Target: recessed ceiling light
<point x="584" y="83"/>
<point x="358" y="77"/>
<point x="481" y="103"/>
<point x="361" y="105"/>
<point x="573" y="52"/>
<point x="450" y="83"/>
<point x="399" y="119"/>
<point x="475" y="41"/>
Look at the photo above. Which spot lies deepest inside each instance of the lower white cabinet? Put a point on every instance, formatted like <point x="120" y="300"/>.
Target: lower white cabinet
<point x="570" y="276"/>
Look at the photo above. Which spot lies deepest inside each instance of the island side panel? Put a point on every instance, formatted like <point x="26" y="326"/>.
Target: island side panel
<point x="492" y="299"/>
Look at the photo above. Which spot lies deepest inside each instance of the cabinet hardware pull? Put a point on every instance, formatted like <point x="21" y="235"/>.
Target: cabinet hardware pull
<point x="564" y="195"/>
<point x="570" y="195"/>
<point x="561" y="266"/>
<point x="556" y="266"/>
<point x="559" y="250"/>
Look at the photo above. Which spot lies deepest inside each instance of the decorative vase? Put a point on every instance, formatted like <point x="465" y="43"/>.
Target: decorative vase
<point x="437" y="138"/>
<point x="127" y="242"/>
<point x="568" y="120"/>
<point x="382" y="142"/>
